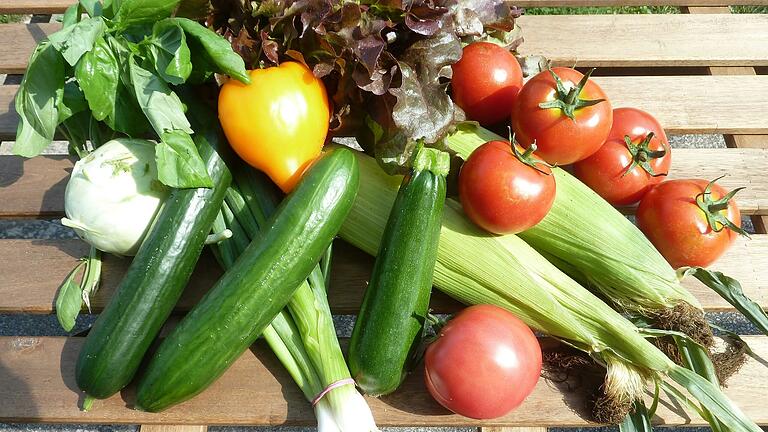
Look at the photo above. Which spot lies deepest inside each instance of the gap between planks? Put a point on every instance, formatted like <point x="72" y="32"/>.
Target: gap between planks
<point x="511" y="429"/>
<point x="736" y="141"/>
<point x="173" y="428"/>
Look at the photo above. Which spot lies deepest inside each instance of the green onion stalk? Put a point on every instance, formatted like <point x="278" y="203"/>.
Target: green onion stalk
<point x="476" y="267"/>
<point x="302" y="335"/>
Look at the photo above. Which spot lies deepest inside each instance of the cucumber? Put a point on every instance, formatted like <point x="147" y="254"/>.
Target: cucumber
<point x="155" y="279"/>
<point x="247" y="298"/>
<point x="388" y="331"/>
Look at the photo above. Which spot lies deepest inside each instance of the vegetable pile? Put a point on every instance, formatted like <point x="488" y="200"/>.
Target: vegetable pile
<point x="134" y="86"/>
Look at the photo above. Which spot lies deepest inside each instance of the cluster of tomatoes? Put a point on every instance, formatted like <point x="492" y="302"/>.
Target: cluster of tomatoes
<point x="561" y="117"/>
<point x="486" y="361"/>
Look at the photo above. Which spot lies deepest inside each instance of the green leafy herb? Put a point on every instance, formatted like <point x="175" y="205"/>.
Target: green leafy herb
<point x="74" y="41"/>
<point x="213" y="50"/>
<point x="37" y="101"/>
<point x="178" y="162"/>
<point x="72" y="102"/>
<point x="98" y="75"/>
<point x="69" y="300"/>
<point x="92" y="7"/>
<point x="131" y="12"/>
<point x="160" y="105"/>
<point x="170" y="52"/>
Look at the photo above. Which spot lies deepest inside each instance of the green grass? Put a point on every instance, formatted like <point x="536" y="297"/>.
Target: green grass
<point x="5" y="19"/>
<point x="750" y="9"/>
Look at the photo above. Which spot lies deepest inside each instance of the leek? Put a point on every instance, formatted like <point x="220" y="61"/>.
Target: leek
<point x="302" y="335"/>
<point x="476" y="267"/>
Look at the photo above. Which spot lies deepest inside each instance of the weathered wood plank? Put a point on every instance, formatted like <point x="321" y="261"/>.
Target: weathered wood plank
<point x="612" y="40"/>
<point x="683" y="104"/>
<point x="173" y="428"/>
<point x="34" y="188"/>
<point x="39" y="386"/>
<point x="737" y="141"/>
<point x="34" y="6"/>
<point x="648" y="40"/>
<point x="33" y="269"/>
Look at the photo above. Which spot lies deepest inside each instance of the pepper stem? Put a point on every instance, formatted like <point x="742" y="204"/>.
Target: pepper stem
<point x="713" y="209"/>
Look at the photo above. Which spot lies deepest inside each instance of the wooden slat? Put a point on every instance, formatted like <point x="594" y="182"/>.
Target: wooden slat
<point x="737" y="141"/>
<point x="612" y="40"/>
<point x="648" y="40"/>
<point x="34" y="188"/>
<point x="683" y="104"/>
<point x="24" y="290"/>
<point x="34" y="6"/>
<point x="38" y="385"/>
<point x="173" y="428"/>
<point x="33" y="269"/>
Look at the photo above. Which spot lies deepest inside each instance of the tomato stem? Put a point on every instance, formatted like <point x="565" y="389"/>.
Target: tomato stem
<point x="569" y="100"/>
<point x="527" y="156"/>
<point x="642" y="155"/>
<point x="713" y="209"/>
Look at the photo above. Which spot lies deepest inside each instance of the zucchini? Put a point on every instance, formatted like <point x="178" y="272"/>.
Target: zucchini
<point x="388" y="331"/>
<point x="155" y="279"/>
<point x="247" y="298"/>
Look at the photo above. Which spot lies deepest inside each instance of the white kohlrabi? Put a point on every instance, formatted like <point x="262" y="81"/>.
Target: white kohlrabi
<point x="113" y="195"/>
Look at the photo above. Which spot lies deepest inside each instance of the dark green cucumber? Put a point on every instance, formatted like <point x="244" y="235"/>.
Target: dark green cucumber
<point x="155" y="279"/>
<point x="388" y="331"/>
<point x="247" y="298"/>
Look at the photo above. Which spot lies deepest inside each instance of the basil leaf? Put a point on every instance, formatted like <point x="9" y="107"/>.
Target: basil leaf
<point x="170" y="52"/>
<point x="37" y="101"/>
<point x="98" y="74"/>
<point x="214" y="50"/>
<point x="179" y="164"/>
<point x="160" y="105"/>
<point x="69" y="300"/>
<point x="92" y="7"/>
<point x="70" y="16"/>
<point x="72" y="42"/>
<point x="130" y="12"/>
<point x="127" y="116"/>
<point x="72" y="102"/>
<point x="99" y="133"/>
<point x="75" y="129"/>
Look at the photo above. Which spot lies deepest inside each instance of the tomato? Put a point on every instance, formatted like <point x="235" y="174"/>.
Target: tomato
<point x="673" y="218"/>
<point x="278" y="122"/>
<point x="484" y="363"/>
<point x="503" y="191"/>
<point x="566" y="123"/>
<point x="635" y="156"/>
<point x="486" y="81"/>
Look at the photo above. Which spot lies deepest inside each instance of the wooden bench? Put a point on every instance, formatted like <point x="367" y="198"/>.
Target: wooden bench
<point x="703" y="71"/>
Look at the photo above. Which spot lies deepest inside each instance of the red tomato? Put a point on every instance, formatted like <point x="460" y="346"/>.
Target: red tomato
<point x="503" y="194"/>
<point x="631" y="161"/>
<point x="571" y="126"/>
<point x="484" y="363"/>
<point x="671" y="217"/>
<point x="486" y="82"/>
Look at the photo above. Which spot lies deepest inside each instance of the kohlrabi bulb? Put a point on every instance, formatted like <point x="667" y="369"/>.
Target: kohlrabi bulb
<point x="113" y="195"/>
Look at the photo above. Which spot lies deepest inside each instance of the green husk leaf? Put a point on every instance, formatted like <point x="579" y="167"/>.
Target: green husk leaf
<point x="638" y="420"/>
<point x="730" y="289"/>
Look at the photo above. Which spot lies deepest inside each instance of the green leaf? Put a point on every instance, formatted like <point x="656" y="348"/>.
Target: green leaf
<point x="98" y="74"/>
<point x="638" y="420"/>
<point x="75" y="129"/>
<point x="99" y="133"/>
<point x="92" y="7"/>
<point x="710" y="396"/>
<point x="130" y="12"/>
<point x="170" y="52"/>
<point x="160" y="105"/>
<point x="70" y="16"/>
<point x="69" y="300"/>
<point x="179" y="164"/>
<point x="127" y="117"/>
<point x="730" y="289"/>
<point x="37" y="101"/>
<point x="213" y="49"/>
<point x="72" y="102"/>
<point x="72" y="42"/>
